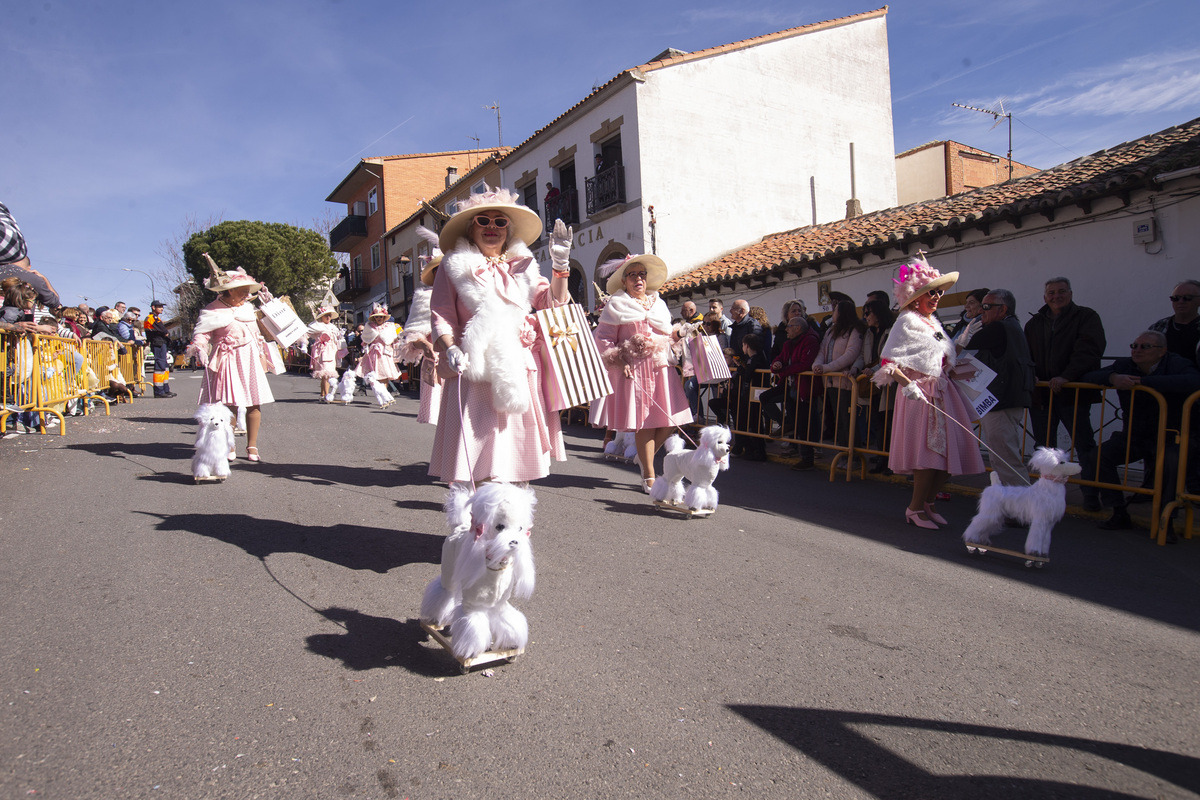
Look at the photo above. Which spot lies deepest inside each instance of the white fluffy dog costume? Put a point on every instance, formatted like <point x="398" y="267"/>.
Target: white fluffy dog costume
<point x="623" y="445"/>
<point x="347" y="385"/>
<point x="382" y="396"/>
<point x="1039" y="506"/>
<point x="486" y="560"/>
<point x="214" y="441"/>
<point x="699" y="467"/>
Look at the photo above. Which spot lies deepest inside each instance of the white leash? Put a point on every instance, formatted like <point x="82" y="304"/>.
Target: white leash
<point x="947" y="415"/>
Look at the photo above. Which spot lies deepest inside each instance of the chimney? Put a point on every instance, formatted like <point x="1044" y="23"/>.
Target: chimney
<point x="451" y="176"/>
<point x="853" y="207"/>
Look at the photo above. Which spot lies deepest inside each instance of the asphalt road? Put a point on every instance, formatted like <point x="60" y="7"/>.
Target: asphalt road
<point x="258" y="638"/>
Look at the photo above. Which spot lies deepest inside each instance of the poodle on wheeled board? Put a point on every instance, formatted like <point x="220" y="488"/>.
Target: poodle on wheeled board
<point x="699" y="467"/>
<point x="1039" y="506"/>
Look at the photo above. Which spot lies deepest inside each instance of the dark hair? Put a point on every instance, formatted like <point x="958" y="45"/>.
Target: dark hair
<point x="879" y="294"/>
<point x="978" y="294"/>
<point x="753" y="341"/>
<point x="847" y="320"/>
<point x="882" y="311"/>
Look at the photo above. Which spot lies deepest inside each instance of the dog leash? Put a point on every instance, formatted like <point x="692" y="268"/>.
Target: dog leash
<point x="668" y="413"/>
<point x="947" y="415"/>
<point x="462" y="432"/>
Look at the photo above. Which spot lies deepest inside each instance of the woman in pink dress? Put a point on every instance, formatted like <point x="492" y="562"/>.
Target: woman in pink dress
<point x="634" y="337"/>
<point x="921" y="357"/>
<point x="380" y="347"/>
<point x="493" y="423"/>
<point x="230" y="347"/>
<point x="416" y="347"/>
<point x="326" y="345"/>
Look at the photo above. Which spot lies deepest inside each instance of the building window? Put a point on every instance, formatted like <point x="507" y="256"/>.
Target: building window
<point x="372" y="201"/>
<point x="479" y="188"/>
<point x="529" y="196"/>
<point x="375" y="256"/>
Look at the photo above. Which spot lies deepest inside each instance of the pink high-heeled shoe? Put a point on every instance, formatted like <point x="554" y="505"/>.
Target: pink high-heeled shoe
<point x="915" y="518"/>
<point x="933" y="515"/>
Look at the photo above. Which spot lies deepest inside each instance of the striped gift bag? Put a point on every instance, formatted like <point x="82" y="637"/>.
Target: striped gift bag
<point x="572" y="373"/>
<point x="707" y="359"/>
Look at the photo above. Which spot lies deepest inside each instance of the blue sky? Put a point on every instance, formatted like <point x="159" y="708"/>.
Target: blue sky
<point x="125" y="120"/>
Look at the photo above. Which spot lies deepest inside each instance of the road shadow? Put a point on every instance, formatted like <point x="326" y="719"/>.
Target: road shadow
<point x="386" y="475"/>
<point x="351" y="546"/>
<point x="379" y="642"/>
<point x="174" y="451"/>
<point x="836" y="740"/>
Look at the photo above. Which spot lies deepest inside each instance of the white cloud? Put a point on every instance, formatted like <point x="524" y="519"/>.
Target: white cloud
<point x="1138" y="85"/>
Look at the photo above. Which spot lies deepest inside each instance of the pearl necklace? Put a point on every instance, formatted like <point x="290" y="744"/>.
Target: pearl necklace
<point x="646" y="302"/>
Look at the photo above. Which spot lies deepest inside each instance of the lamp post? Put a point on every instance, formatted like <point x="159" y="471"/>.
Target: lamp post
<point x="153" y="294"/>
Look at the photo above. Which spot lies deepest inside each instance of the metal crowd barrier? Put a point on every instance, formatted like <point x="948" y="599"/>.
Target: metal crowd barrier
<point x="133" y="365"/>
<point x="44" y="374"/>
<point x="847" y="437"/>
<point x="1184" y="499"/>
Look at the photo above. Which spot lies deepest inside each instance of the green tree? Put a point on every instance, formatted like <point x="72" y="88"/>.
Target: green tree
<point x="288" y="259"/>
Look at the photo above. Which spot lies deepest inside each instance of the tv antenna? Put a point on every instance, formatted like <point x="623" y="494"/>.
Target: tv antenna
<point x="499" y="132"/>
<point x="998" y="115"/>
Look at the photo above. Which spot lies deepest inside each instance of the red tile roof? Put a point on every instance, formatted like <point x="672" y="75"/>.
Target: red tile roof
<point x="1116" y="171"/>
<point x="682" y="58"/>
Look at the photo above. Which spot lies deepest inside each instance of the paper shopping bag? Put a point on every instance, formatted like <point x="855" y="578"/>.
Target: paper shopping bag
<point x="708" y="362"/>
<point x="281" y="322"/>
<point x="572" y="372"/>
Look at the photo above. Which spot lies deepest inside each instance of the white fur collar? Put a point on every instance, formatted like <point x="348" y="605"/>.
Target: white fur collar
<point x="217" y="315"/>
<point x="913" y="344"/>
<point x="622" y="309"/>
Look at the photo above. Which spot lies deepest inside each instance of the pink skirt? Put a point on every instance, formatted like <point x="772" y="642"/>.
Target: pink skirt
<point x="238" y="378"/>
<point x="923" y="438"/>
<point x="499" y="446"/>
<point x="654" y="398"/>
<point x="324" y="360"/>
<point x="378" y="359"/>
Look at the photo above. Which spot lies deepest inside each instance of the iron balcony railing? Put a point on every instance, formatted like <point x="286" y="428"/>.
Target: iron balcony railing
<point x="564" y="207"/>
<point x="346" y="232"/>
<point x="606" y="189"/>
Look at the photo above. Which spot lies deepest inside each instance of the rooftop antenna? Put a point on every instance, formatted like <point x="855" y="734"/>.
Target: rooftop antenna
<point x="499" y="132"/>
<point x="474" y="139"/>
<point x="998" y="115"/>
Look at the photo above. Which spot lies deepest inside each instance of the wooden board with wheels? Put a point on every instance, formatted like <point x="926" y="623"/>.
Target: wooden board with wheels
<point x="465" y="664"/>
<point x="697" y="513"/>
<point x="210" y="479"/>
<point x="1030" y="560"/>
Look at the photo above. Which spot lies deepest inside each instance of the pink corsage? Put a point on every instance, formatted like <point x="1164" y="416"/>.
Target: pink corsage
<point x="529" y="332"/>
<point x="637" y="347"/>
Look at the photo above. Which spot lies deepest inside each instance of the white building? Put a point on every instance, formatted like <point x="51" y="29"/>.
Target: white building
<point x="695" y="154"/>
<point x="1123" y="225"/>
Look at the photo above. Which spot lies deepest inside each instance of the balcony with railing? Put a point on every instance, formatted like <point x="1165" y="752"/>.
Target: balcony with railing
<point x="351" y="283"/>
<point x="347" y="233"/>
<point x="606" y="189"/>
<point x="565" y="207"/>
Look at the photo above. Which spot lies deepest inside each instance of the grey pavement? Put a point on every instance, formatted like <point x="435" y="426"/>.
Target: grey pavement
<point x="258" y="638"/>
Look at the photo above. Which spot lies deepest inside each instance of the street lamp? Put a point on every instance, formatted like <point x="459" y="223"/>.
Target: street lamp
<point x="153" y="294"/>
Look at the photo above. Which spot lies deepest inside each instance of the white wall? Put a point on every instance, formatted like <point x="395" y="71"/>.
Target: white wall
<point x="729" y="143"/>
<point x="1124" y="283"/>
<point x="921" y="175"/>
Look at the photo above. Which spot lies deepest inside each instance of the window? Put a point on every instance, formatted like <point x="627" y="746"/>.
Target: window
<point x="375" y="256"/>
<point x="529" y="196"/>
<point x="479" y="188"/>
<point x="372" y="201"/>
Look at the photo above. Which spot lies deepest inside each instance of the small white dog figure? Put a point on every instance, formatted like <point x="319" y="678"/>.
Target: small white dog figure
<point x="347" y="385"/>
<point x="1039" y="506"/>
<point x="699" y="467"/>
<point x="382" y="396"/>
<point x="622" y="446"/>
<point x="214" y="441"/>
<point x="486" y="561"/>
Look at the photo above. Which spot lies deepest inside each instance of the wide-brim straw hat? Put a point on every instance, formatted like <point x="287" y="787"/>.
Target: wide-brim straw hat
<point x="526" y="224"/>
<point x="918" y="278"/>
<point x="656" y="273"/>
<point x="222" y="280"/>
<point x="378" y="310"/>
<point x="325" y="311"/>
<point x="428" y="273"/>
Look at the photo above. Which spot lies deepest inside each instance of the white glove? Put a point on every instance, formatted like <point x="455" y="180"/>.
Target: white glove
<point x="560" y="245"/>
<point x="913" y="392"/>
<point x="456" y="359"/>
<point x="200" y="353"/>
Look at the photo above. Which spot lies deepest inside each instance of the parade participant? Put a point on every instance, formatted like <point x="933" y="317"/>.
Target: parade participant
<point x="230" y="347"/>
<point x="479" y="314"/>
<point x="380" y="347"/>
<point x="326" y="344"/>
<point x="417" y="342"/>
<point x="634" y="336"/>
<point x="919" y="355"/>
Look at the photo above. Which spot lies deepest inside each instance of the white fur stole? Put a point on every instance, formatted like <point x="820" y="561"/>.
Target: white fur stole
<point x="492" y="336"/>
<point x="913" y="345"/>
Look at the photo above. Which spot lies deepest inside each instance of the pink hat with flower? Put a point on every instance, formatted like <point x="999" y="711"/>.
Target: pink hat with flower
<point x="326" y="311"/>
<point x="917" y="278"/>
<point x="378" y="310"/>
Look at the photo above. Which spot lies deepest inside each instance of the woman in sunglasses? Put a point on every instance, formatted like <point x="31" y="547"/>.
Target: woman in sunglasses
<point x="634" y="337"/>
<point x="920" y="356"/>
<point x="493" y="423"/>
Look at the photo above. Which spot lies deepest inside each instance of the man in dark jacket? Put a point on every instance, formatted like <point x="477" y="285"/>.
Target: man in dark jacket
<point x="743" y="324"/>
<point x="1149" y="365"/>
<point x="156" y="335"/>
<point x="1000" y="345"/>
<point x="1066" y="342"/>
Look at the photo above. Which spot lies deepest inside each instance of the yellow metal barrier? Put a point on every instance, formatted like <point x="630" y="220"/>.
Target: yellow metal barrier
<point x="20" y="376"/>
<point x="132" y="365"/>
<point x="1183" y="498"/>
